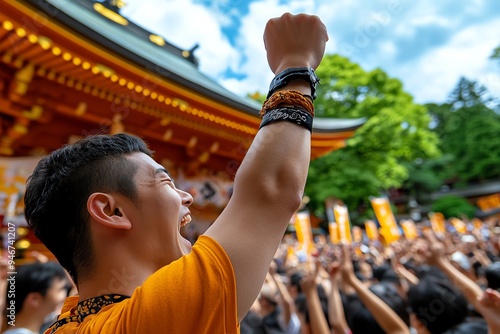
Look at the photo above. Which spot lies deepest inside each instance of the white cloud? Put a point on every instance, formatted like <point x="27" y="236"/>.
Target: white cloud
<point x="388" y="49"/>
<point x="432" y="77"/>
<point x="251" y="45"/>
<point x="431" y="19"/>
<point x="184" y="24"/>
<point x="475" y="6"/>
<point x="429" y="76"/>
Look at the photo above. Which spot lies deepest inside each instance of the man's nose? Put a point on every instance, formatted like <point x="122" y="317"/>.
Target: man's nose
<point x="187" y="199"/>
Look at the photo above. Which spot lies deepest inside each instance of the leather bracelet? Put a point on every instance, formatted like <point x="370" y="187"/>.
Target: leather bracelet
<point x="297" y="116"/>
<point x="288" y="97"/>
<point x="283" y="78"/>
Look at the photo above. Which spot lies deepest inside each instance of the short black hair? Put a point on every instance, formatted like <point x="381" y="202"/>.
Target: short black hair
<point x="429" y="271"/>
<point x="35" y="277"/>
<point x="472" y="326"/>
<point x="438" y="304"/>
<point x="57" y="192"/>
<point x="360" y="320"/>
<point x="492" y="274"/>
<point x="385" y="273"/>
<point x="295" y="279"/>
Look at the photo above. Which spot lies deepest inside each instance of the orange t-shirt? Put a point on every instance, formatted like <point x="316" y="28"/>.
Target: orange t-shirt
<point x="195" y="294"/>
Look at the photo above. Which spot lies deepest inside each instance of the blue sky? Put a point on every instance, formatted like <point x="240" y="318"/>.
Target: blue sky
<point x="426" y="44"/>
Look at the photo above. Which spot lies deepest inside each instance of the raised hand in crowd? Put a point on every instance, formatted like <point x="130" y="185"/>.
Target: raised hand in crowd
<point x="439" y="302"/>
<point x="385" y="317"/>
<point x="481" y="257"/>
<point x="489" y="306"/>
<point x="285" y="300"/>
<point x="404" y="273"/>
<point x="436" y="255"/>
<point x="336" y="314"/>
<point x="317" y="321"/>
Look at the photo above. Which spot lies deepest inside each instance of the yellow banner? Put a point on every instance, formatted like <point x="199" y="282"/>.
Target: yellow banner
<point x="303" y="230"/>
<point x="357" y="234"/>
<point x="409" y="229"/>
<point x="344" y="225"/>
<point x="489" y="202"/>
<point x="334" y="232"/>
<point x="389" y="235"/>
<point x="459" y="225"/>
<point x="383" y="212"/>
<point x="437" y="222"/>
<point x="478" y="223"/>
<point x="357" y="251"/>
<point x="371" y="230"/>
<point x="290" y="255"/>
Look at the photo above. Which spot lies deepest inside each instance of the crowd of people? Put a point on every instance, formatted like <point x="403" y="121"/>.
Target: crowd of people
<point x="436" y="283"/>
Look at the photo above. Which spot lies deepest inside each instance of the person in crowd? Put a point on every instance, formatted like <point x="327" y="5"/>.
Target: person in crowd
<point x="264" y="317"/>
<point x="442" y="305"/>
<point x="335" y="307"/>
<point x="489" y="306"/>
<point x="440" y="293"/>
<point x="290" y="319"/>
<point x="366" y="311"/>
<point x="270" y="310"/>
<point x="439" y="307"/>
<point x="40" y="291"/>
<point x="302" y="299"/>
<point x="492" y="275"/>
<point x="111" y="214"/>
<point x="317" y="322"/>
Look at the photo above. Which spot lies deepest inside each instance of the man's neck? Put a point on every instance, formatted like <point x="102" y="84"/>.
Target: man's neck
<point x="121" y="280"/>
<point x="29" y="320"/>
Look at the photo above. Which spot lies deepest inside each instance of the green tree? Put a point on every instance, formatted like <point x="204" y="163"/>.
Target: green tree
<point x="427" y="176"/>
<point x="453" y="206"/>
<point x="396" y="132"/>
<point x="468" y="128"/>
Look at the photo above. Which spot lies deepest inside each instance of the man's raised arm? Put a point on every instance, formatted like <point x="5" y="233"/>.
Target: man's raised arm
<point x="269" y="184"/>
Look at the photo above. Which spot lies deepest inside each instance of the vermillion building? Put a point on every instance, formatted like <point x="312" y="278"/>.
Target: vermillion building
<point x="70" y="68"/>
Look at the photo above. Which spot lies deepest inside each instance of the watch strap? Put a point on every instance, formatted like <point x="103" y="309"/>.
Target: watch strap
<point x="284" y="77"/>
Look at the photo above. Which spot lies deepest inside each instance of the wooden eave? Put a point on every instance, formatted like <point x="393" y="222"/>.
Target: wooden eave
<point x="56" y="83"/>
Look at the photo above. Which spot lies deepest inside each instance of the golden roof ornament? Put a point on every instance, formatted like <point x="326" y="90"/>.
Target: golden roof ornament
<point x="114" y="4"/>
<point x="111" y="10"/>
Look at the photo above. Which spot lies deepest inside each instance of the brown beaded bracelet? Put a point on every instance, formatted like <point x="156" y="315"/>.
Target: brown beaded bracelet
<point x="288" y="97"/>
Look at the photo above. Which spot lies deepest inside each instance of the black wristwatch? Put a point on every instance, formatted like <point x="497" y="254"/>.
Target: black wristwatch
<point x="283" y="78"/>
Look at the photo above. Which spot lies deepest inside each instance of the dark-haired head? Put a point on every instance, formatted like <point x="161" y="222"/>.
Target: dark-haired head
<point x="492" y="274"/>
<point x="57" y="192"/>
<point x="36" y="278"/>
<point x="385" y="273"/>
<point x="437" y="304"/>
<point x="430" y="271"/>
<point x="476" y="326"/>
<point x="295" y="279"/>
<point x="360" y="320"/>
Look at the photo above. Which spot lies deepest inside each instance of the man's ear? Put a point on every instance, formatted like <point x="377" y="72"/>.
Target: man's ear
<point x="104" y="209"/>
<point x="33" y="300"/>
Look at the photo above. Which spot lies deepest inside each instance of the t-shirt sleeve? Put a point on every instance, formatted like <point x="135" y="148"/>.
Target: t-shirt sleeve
<point x="194" y="294"/>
